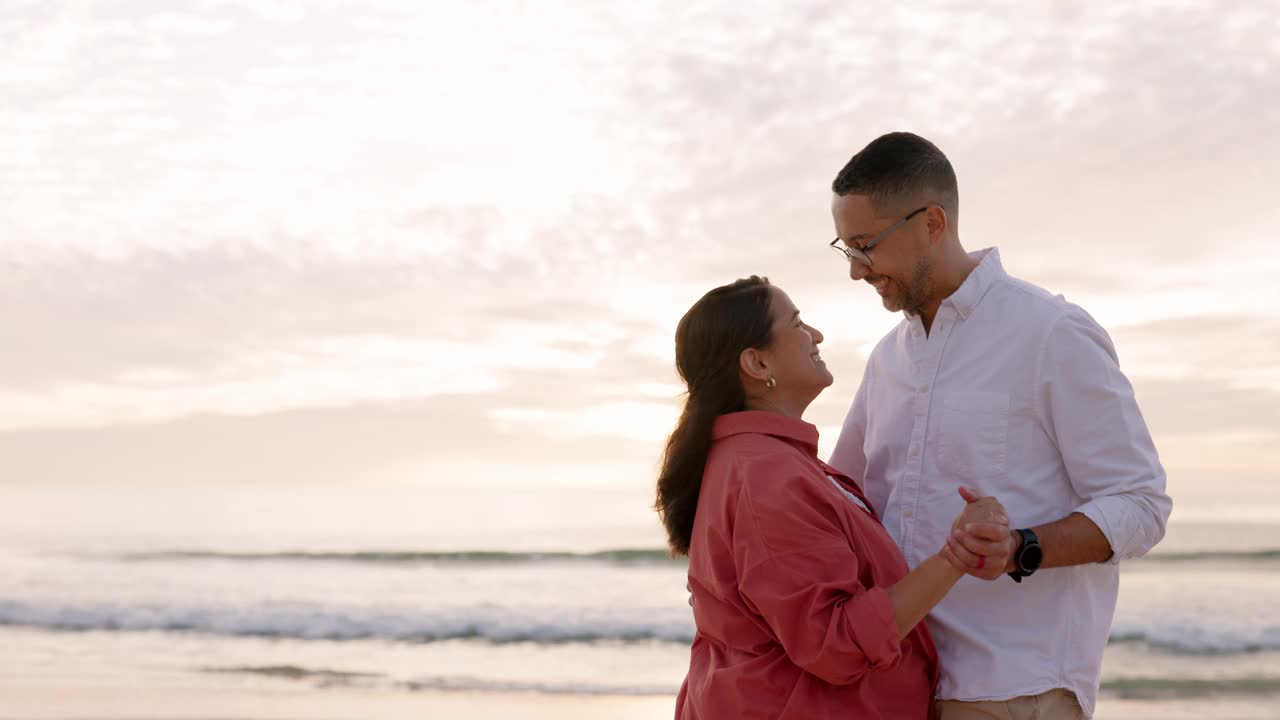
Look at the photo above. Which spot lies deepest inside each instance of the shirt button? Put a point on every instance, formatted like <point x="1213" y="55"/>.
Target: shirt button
<point x="915" y="451"/>
<point x="915" y="333"/>
<point x="924" y="388"/>
<point x="906" y="512"/>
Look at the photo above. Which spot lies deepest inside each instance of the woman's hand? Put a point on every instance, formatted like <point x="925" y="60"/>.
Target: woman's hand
<point x="981" y="543"/>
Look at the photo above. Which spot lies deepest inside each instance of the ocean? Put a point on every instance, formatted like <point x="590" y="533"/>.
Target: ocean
<point x="298" y="601"/>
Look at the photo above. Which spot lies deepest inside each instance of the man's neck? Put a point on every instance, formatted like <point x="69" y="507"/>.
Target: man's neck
<point x="957" y="270"/>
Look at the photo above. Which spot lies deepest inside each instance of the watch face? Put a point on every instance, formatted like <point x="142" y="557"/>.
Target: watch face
<point x="1031" y="557"/>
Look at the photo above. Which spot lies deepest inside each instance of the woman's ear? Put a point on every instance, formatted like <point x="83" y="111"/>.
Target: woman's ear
<point x="754" y="364"/>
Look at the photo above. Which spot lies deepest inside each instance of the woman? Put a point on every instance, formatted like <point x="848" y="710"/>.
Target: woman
<point x="804" y="606"/>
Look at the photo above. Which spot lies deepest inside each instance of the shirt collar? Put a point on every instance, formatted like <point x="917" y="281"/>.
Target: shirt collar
<point x="762" y="422"/>
<point x="980" y="280"/>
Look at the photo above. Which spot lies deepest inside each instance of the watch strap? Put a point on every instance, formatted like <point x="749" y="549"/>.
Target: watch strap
<point x="1028" y="538"/>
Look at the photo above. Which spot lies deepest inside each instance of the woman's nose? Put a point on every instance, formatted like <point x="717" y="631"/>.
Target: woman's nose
<point x="815" y="333"/>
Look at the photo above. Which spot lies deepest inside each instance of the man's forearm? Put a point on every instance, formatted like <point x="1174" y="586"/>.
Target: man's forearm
<point x="1073" y="540"/>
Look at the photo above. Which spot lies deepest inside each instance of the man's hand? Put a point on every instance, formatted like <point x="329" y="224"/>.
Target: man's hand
<point x="981" y="543"/>
<point x="979" y="509"/>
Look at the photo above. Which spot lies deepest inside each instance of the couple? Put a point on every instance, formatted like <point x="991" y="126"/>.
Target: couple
<point x="809" y="580"/>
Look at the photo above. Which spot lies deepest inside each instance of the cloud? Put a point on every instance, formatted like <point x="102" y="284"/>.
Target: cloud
<point x="446" y="441"/>
<point x="1237" y="352"/>
<point x="228" y="210"/>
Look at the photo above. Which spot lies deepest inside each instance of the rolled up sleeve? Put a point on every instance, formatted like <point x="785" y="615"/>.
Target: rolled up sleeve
<point x="800" y="574"/>
<point x="1088" y="406"/>
<point x="828" y="627"/>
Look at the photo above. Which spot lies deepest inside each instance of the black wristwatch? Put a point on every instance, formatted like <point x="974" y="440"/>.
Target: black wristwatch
<point x="1027" y="557"/>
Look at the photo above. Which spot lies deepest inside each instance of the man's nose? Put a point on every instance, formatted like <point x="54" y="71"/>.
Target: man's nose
<point x="858" y="270"/>
<point x="859" y="264"/>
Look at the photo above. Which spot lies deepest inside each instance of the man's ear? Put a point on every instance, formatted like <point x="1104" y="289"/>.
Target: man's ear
<point x="753" y="363"/>
<point x="938" y="220"/>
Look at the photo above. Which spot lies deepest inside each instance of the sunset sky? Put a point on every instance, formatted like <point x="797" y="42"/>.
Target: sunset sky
<point x="447" y="243"/>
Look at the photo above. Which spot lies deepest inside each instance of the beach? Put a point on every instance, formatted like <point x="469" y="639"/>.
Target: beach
<point x="341" y="337"/>
<point x="87" y="698"/>
<point x="38" y="682"/>
<point x="300" y="609"/>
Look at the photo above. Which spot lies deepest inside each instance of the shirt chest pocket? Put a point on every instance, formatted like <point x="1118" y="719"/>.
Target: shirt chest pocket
<point x="973" y="433"/>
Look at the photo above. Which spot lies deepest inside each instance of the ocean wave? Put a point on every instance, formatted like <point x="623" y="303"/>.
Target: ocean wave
<point x="1153" y="688"/>
<point x="1189" y="688"/>
<point x="504" y="625"/>
<point x="1250" y="556"/>
<point x="294" y="672"/>
<point x="498" y="625"/>
<point x="1191" y="639"/>
<point x="457" y="683"/>
<point x="623" y="556"/>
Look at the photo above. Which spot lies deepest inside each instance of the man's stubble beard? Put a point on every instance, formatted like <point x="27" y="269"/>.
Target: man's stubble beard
<point x="918" y="292"/>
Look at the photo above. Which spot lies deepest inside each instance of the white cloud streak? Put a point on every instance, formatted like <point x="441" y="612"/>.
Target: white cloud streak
<point x="250" y="208"/>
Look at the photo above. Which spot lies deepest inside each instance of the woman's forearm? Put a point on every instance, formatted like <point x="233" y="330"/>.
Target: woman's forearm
<point x="915" y="595"/>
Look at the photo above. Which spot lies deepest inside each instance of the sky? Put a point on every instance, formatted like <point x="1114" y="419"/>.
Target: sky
<point x="446" y="244"/>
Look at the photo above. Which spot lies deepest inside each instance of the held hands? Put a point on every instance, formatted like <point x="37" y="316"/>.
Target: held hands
<point x="980" y="543"/>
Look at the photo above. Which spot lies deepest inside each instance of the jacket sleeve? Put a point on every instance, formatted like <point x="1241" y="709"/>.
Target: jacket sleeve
<point x="1088" y="406"/>
<point x="798" y="570"/>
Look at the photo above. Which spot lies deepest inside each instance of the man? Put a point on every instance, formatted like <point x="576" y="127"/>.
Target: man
<point x="992" y="382"/>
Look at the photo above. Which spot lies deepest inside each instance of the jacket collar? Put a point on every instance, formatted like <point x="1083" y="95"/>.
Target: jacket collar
<point x="761" y="422"/>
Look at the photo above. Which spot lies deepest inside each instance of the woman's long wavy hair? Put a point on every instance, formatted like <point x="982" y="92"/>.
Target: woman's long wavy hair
<point x="709" y="339"/>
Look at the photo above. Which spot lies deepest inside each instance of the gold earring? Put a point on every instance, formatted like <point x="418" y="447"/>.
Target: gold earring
<point x="770" y="383"/>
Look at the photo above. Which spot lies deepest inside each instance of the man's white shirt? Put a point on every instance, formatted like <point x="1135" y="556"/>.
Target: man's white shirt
<point x="1018" y="394"/>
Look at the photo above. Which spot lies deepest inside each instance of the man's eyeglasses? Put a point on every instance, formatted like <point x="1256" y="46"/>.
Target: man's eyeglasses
<point x="844" y="251"/>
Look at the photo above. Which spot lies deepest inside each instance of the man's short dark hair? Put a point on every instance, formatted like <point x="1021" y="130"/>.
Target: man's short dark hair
<point x="899" y="168"/>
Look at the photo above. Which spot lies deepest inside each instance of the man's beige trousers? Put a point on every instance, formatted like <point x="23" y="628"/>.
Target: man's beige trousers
<point x="1056" y="704"/>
